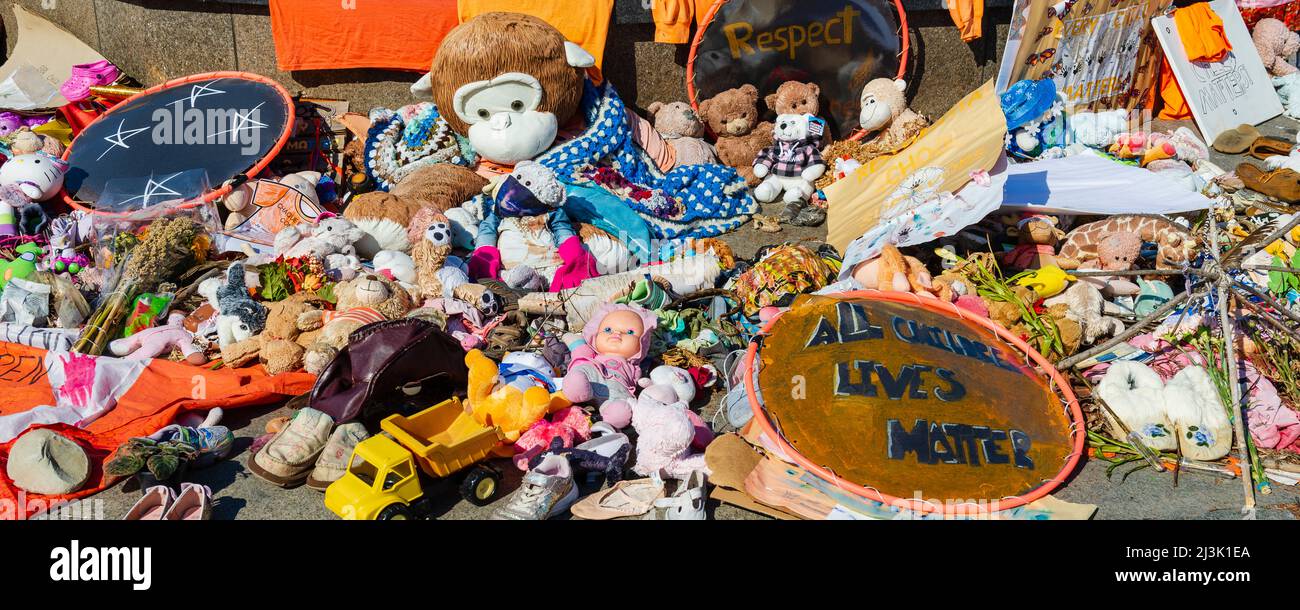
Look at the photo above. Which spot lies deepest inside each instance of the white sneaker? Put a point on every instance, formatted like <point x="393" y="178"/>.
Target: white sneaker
<point x="686" y="504"/>
<point x="548" y="490"/>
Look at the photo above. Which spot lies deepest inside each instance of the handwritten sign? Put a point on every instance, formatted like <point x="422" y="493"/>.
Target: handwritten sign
<point x="906" y="400"/>
<point x="1222" y="94"/>
<point x="968" y="138"/>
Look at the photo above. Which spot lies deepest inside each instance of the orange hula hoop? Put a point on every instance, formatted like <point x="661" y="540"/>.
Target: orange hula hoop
<point x="1059" y="381"/>
<point x="224" y="189"/>
<point x="713" y="10"/>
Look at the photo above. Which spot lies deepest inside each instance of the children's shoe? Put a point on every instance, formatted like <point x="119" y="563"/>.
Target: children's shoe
<point x="85" y="76"/>
<point x="810" y="216"/>
<point x="791" y="211"/>
<point x="625" y="499"/>
<point x="194" y="504"/>
<point x="153" y="505"/>
<point x="686" y="504"/>
<point x="291" y="455"/>
<point x="334" y="458"/>
<point x="212" y="442"/>
<point x="647" y="294"/>
<point x="548" y="490"/>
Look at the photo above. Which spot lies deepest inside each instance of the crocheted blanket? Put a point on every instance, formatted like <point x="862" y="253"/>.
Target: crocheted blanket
<point x="403" y="140"/>
<point x="688" y="201"/>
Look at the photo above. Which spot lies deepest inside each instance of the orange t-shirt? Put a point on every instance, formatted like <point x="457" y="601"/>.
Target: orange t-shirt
<point x="673" y="18"/>
<point x="329" y="35"/>
<point x="1200" y="30"/>
<point x="585" y="22"/>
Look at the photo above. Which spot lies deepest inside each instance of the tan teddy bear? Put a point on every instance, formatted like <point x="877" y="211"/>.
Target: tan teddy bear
<point x="368" y="299"/>
<point x="733" y="117"/>
<point x="281" y="345"/>
<point x="794" y="97"/>
<point x="682" y="130"/>
<point x="433" y="277"/>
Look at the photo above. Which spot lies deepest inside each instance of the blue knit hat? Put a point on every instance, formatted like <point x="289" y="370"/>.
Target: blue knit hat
<point x="1027" y="100"/>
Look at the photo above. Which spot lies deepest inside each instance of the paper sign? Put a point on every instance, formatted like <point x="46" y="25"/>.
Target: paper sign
<point x="967" y="139"/>
<point x="49" y="49"/>
<point x="1227" y="93"/>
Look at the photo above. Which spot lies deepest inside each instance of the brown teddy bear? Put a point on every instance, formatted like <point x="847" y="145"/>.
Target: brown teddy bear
<point x="682" y="130"/>
<point x="794" y="97"/>
<point x="281" y="345"/>
<point x="368" y="299"/>
<point x="1008" y="315"/>
<point x="733" y="117"/>
<point x="430" y="250"/>
<point x="383" y="217"/>
<point x="441" y="186"/>
<point x="1036" y="236"/>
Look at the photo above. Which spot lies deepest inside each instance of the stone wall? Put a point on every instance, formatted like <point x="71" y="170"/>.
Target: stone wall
<point x="155" y="40"/>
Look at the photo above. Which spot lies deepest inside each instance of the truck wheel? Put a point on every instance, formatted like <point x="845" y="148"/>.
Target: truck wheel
<point x="480" y="486"/>
<point x="395" y="512"/>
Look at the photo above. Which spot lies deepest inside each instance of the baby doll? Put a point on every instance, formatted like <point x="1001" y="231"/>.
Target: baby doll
<point x="607" y="359"/>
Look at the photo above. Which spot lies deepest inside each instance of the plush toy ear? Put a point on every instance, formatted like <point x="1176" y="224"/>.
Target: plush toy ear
<point x="423" y="89"/>
<point x="704" y="109"/>
<point x="654" y="108"/>
<point x="900" y="84"/>
<point x="816" y="90"/>
<point x="750" y="91"/>
<point x="770" y="100"/>
<point x="577" y="56"/>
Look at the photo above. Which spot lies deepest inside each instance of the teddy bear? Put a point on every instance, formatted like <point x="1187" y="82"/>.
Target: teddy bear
<point x="665" y="436"/>
<point x="1085" y="305"/>
<point x="160" y="340"/>
<point x="1115" y="252"/>
<point x="667" y="385"/>
<point x="513" y="403"/>
<point x="1276" y="44"/>
<point x="1009" y="314"/>
<point x="794" y="97"/>
<point x="24" y="141"/>
<point x="333" y="241"/>
<point x="365" y="300"/>
<point x="885" y="114"/>
<point x="732" y="116"/>
<point x="434" y="277"/>
<point x="682" y="129"/>
<point x="281" y="346"/>
<point x="383" y="219"/>
<point x="1036" y="235"/>
<point x="794" y="161"/>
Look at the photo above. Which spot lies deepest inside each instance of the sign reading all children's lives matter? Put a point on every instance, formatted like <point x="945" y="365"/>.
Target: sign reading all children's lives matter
<point x="1222" y="94"/>
<point x="1102" y="54"/>
<point x="904" y="399"/>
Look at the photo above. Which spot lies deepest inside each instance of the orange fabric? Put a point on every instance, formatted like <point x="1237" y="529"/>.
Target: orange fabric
<point x="968" y="15"/>
<point x="1200" y="30"/>
<point x="315" y="35"/>
<point x="163" y="390"/>
<point x="585" y="22"/>
<point x="673" y="18"/>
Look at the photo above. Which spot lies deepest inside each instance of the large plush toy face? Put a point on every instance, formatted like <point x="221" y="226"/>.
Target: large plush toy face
<point x="620" y="334"/>
<point x="879" y="99"/>
<point x="507" y="81"/>
<point x="40" y="176"/>
<point x="794" y="127"/>
<point x="733" y="112"/>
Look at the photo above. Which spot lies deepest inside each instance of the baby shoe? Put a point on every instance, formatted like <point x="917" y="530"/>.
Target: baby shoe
<point x="291" y="455"/>
<point x="153" y="505"/>
<point x="85" y="76"/>
<point x="686" y="504"/>
<point x="194" y="504"/>
<point x="547" y="490"/>
<point x="334" y="458"/>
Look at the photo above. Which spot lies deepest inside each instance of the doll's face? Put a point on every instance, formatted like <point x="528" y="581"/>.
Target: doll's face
<point x="620" y="335"/>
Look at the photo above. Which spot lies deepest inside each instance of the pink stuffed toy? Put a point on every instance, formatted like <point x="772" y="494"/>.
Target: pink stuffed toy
<point x="151" y="342"/>
<point x="668" y="385"/>
<point x="607" y="359"/>
<point x="1275" y="43"/>
<point x="571" y="425"/>
<point x="664" y="438"/>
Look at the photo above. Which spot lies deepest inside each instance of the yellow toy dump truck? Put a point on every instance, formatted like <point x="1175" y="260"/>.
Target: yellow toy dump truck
<point x="383" y="480"/>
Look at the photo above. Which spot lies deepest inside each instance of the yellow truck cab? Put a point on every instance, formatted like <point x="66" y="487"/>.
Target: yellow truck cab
<point x="381" y="482"/>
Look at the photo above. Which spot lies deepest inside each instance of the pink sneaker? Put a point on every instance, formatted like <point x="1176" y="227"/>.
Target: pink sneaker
<point x="85" y="76"/>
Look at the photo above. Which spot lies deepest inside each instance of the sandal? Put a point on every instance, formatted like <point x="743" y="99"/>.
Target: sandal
<point x="686" y="504"/>
<point x="624" y="499"/>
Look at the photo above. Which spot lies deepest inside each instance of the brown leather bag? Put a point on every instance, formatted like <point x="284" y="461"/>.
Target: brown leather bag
<point x="389" y="367"/>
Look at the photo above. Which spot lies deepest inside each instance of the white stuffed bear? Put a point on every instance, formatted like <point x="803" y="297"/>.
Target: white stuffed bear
<point x="332" y="240"/>
<point x="664" y="437"/>
<point x="794" y="162"/>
